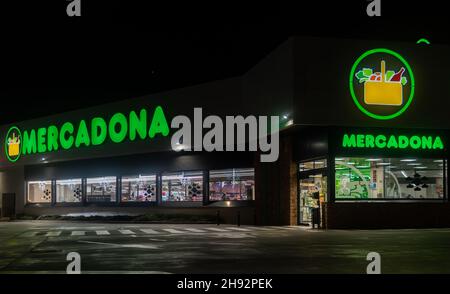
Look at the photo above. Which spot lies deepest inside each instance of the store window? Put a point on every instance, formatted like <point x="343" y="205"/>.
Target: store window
<point x="39" y="191"/>
<point x="312" y="165"/>
<point x="139" y="188"/>
<point x="68" y="191"/>
<point x="182" y="186"/>
<point x="101" y="189"/>
<point x="232" y="184"/>
<point x="389" y="178"/>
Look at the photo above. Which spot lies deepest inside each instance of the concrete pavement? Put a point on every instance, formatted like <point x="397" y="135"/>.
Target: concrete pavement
<point x="42" y="246"/>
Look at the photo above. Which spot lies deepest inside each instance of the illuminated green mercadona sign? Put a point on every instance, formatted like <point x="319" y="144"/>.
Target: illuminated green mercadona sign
<point x="85" y="133"/>
<point x="392" y="141"/>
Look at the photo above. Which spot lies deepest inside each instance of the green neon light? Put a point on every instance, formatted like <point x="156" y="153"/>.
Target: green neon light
<point x="65" y="136"/>
<point x="29" y="142"/>
<point x="118" y="120"/>
<point x="423" y="40"/>
<point x="138" y="124"/>
<point x="87" y="133"/>
<point x="52" y="138"/>
<point x="98" y="131"/>
<point x="82" y="135"/>
<point x="15" y="139"/>
<point x="352" y="91"/>
<point x="392" y="142"/>
<point x="159" y="123"/>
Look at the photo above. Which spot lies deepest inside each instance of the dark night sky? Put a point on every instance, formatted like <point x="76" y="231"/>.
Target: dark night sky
<point x="122" y="49"/>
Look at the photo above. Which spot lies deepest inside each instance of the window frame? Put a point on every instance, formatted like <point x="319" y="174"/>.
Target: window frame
<point x="27" y="199"/>
<point x="83" y="195"/>
<point x="205" y="201"/>
<point x="98" y="203"/>
<point x="227" y="200"/>
<point x="138" y="203"/>
<point x="174" y="203"/>
<point x="390" y="198"/>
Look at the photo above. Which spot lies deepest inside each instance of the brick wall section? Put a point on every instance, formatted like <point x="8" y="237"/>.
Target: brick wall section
<point x="387" y="215"/>
<point x="276" y="188"/>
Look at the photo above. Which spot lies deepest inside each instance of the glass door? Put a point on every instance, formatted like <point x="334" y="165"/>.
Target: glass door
<point x="313" y="191"/>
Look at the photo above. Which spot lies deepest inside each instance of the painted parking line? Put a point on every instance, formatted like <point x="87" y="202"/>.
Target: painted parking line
<point x="102" y="233"/>
<point x="53" y="234"/>
<point x="149" y="231"/>
<point x="127" y="232"/>
<point x="238" y="229"/>
<point x="173" y="231"/>
<point x="78" y="233"/>
<point x="195" y="230"/>
<point x="217" y="230"/>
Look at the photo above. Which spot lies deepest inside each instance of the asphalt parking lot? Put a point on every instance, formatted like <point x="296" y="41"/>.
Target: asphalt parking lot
<point x="42" y="247"/>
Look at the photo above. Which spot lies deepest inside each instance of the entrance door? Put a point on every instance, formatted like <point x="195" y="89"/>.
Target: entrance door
<point x="8" y="205"/>
<point x="312" y="192"/>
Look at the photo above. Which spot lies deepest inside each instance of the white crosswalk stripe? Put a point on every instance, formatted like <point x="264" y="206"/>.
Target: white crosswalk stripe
<point x="217" y="230"/>
<point x="127" y="232"/>
<point x="53" y="234"/>
<point x="177" y="230"/>
<point x="173" y="231"/>
<point x="261" y="229"/>
<point x="238" y="229"/>
<point x="149" y="231"/>
<point x="195" y="230"/>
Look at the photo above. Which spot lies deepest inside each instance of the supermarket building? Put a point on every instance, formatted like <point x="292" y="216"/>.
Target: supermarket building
<point x="363" y="141"/>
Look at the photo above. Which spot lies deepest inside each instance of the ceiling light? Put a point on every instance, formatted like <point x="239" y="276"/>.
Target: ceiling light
<point x="408" y="160"/>
<point x="373" y="159"/>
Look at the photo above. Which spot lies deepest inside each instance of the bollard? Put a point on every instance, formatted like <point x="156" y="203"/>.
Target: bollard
<point x="239" y="218"/>
<point x="218" y="217"/>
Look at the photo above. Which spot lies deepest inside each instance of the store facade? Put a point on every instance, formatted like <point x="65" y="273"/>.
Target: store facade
<point x="363" y="144"/>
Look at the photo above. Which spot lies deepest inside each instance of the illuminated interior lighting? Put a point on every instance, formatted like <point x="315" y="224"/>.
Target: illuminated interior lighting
<point x="408" y="160"/>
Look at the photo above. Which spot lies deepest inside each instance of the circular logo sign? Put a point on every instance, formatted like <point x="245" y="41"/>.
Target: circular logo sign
<point x="382" y="84"/>
<point x="13" y="143"/>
